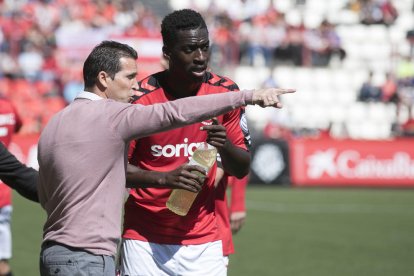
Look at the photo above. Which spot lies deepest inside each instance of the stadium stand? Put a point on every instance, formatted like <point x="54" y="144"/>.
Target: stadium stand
<point x="43" y="44"/>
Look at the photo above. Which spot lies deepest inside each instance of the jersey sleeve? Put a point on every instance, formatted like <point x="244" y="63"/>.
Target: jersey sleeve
<point x="233" y="123"/>
<point x="18" y="121"/>
<point x="131" y="149"/>
<point x="238" y="194"/>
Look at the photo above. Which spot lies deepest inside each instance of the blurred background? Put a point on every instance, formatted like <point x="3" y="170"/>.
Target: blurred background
<point x="350" y="60"/>
<point x="350" y="123"/>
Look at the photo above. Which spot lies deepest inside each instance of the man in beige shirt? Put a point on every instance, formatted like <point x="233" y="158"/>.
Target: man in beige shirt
<point x="82" y="158"/>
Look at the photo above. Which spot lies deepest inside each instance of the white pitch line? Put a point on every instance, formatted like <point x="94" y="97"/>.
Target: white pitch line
<point x="328" y="208"/>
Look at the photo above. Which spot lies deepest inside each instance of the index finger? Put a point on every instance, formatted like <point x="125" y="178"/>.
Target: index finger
<point x="285" y="90"/>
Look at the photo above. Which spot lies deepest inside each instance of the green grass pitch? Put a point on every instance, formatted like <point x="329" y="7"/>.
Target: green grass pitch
<point x="290" y="231"/>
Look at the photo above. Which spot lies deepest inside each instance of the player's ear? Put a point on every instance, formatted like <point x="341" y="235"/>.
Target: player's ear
<point x="166" y="53"/>
<point x="102" y="79"/>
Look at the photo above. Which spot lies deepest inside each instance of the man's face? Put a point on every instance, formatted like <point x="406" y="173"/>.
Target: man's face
<point x="189" y="55"/>
<point x="122" y="87"/>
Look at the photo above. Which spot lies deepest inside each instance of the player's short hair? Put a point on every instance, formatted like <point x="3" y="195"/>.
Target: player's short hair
<point x="179" y="20"/>
<point x="105" y="57"/>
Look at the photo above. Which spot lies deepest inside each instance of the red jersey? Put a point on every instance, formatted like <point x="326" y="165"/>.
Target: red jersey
<point x="9" y="123"/>
<point x="146" y="215"/>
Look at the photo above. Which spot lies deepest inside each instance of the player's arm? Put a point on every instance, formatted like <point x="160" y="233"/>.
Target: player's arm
<point x="181" y="178"/>
<point x="16" y="175"/>
<point x="238" y="203"/>
<point x="235" y="160"/>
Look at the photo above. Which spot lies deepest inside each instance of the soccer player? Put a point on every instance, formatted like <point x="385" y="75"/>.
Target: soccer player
<point x="157" y="241"/>
<point x="9" y="124"/>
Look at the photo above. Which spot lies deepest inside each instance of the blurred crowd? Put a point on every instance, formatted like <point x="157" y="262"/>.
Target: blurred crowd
<point x="374" y="11"/>
<point x="263" y="37"/>
<point x="33" y="72"/>
<point x="38" y="73"/>
<point x="397" y="88"/>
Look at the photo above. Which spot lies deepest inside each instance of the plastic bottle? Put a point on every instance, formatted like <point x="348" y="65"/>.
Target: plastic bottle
<point x="180" y="201"/>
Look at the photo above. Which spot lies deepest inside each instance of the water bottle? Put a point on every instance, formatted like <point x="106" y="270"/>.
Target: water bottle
<point x="180" y="201"/>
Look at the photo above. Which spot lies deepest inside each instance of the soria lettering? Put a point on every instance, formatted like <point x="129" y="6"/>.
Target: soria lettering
<point x="176" y="150"/>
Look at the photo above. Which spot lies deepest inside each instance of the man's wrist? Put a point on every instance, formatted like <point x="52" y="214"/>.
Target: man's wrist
<point x="161" y="179"/>
<point x="248" y="96"/>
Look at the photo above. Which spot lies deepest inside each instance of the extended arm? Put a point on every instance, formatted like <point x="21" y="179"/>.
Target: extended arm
<point x="16" y="175"/>
<point x="186" y="111"/>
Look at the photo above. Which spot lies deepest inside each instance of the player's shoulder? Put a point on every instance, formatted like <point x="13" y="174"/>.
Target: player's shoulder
<point x="5" y="104"/>
<point x="215" y="80"/>
<point x="3" y="99"/>
<point x="147" y="86"/>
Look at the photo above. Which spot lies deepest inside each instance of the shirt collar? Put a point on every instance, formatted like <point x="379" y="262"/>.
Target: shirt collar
<point x="88" y="95"/>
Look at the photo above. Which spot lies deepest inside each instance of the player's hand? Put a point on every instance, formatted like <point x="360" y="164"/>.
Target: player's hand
<point x="186" y="177"/>
<point x="216" y="134"/>
<point x="237" y="220"/>
<point x="269" y="96"/>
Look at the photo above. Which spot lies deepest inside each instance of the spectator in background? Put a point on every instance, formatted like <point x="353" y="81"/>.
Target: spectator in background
<point x="405" y="71"/>
<point x="323" y="43"/>
<point x="405" y="93"/>
<point x="245" y="10"/>
<point x="378" y="12"/>
<point x="410" y="38"/>
<point x="225" y="45"/>
<point x="389" y="12"/>
<point x="30" y="61"/>
<point x="368" y="91"/>
<point x="10" y="123"/>
<point x="292" y="46"/>
<point x="259" y="51"/>
<point x="370" y="12"/>
<point x="389" y="89"/>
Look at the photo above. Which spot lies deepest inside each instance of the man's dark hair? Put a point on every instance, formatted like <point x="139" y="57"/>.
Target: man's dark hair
<point x="179" y="20"/>
<point x="105" y="57"/>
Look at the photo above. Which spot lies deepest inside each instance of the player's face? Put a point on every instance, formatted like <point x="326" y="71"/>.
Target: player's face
<point x="122" y="87"/>
<point x="189" y="55"/>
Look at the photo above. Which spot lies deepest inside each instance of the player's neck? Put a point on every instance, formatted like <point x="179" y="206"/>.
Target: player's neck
<point x="180" y="88"/>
